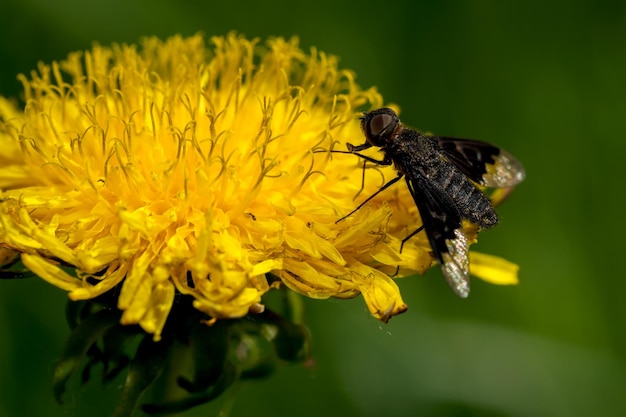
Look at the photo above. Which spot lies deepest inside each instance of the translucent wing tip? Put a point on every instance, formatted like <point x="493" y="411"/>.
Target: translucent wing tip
<point x="505" y="172"/>
<point x="455" y="266"/>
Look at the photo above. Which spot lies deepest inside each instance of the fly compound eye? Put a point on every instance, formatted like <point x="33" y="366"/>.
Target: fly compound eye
<point x="380" y="124"/>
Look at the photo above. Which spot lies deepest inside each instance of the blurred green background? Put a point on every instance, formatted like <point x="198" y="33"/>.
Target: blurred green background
<point x="545" y="80"/>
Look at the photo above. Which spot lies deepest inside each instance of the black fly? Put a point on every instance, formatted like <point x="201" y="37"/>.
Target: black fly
<point x="440" y="173"/>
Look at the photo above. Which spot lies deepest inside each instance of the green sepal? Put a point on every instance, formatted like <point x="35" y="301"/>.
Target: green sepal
<point x="209" y="345"/>
<point x="255" y="356"/>
<point x="81" y="339"/>
<point x="227" y="377"/>
<point x="112" y="355"/>
<point x="13" y="268"/>
<point x="292" y="342"/>
<point x="144" y="368"/>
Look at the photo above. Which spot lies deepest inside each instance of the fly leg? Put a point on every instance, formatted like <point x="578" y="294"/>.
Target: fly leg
<point x="413" y="233"/>
<point x="381" y="189"/>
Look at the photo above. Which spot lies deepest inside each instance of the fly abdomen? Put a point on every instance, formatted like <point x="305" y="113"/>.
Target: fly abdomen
<point x="472" y="204"/>
<point x="478" y="210"/>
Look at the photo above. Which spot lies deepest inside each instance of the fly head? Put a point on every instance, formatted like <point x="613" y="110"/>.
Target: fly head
<point x="379" y="126"/>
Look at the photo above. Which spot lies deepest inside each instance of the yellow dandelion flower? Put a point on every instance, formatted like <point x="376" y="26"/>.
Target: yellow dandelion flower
<point x="181" y="168"/>
<point x="177" y="167"/>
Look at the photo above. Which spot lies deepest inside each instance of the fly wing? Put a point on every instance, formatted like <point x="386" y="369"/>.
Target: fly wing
<point x="455" y="266"/>
<point x="443" y="226"/>
<point x="482" y="162"/>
